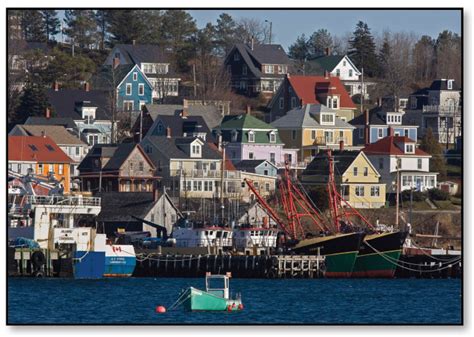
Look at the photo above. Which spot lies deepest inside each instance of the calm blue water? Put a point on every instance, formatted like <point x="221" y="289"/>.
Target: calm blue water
<point x="322" y="301"/>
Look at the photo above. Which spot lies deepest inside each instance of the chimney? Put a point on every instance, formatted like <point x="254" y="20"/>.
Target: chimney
<point x="326" y="74"/>
<point x="115" y="62"/>
<point x="56" y="86"/>
<point x="219" y="142"/>
<point x="185" y="112"/>
<point x="327" y="51"/>
<point x="87" y="86"/>
<point x="366" y="114"/>
<point x="248" y="110"/>
<point x="133" y="42"/>
<point x="48" y="113"/>
<point x="341" y="145"/>
<point x="168" y="132"/>
<point x="43" y="134"/>
<point x="390" y="131"/>
<point x="379" y="101"/>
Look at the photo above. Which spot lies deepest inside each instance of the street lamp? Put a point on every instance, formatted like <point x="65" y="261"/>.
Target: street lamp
<point x="270" y="35"/>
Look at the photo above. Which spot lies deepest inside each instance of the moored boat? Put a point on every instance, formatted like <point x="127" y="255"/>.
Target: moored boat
<point x="379" y="255"/>
<point x="216" y="297"/>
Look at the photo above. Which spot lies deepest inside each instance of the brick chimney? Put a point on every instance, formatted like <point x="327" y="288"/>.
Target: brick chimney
<point x="115" y="62"/>
<point x="326" y="74"/>
<point x="56" y="86"/>
<point x="390" y="131"/>
<point x="168" y="132"/>
<point x="87" y="86"/>
<point x="248" y="110"/>
<point x="366" y="131"/>
<point x="48" y="113"/>
<point x="185" y="112"/>
<point x="341" y="145"/>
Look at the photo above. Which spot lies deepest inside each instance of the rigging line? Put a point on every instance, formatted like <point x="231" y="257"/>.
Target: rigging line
<point x="403" y="267"/>
<point x="429" y="255"/>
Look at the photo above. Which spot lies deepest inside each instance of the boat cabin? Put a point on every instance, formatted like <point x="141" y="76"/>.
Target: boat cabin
<point x="218" y="285"/>
<point x="201" y="235"/>
<point x="254" y="237"/>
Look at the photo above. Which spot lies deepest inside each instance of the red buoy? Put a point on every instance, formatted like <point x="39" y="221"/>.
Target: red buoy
<point x="160" y="309"/>
<point x="229" y="308"/>
<point x="241" y="306"/>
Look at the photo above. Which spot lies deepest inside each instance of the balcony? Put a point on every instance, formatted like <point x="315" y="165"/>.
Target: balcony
<point x="63" y="200"/>
<point x="212" y="174"/>
<point x="441" y="109"/>
<point x="329" y="141"/>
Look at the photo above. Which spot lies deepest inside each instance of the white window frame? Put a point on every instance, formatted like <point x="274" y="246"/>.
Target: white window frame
<point x="360" y="190"/>
<point x="375" y="191"/>
<point x="126" y="102"/>
<point x="251" y="136"/>
<point x="355" y="171"/>
<point x="419" y="164"/>
<point x="313" y="134"/>
<point x="61" y="169"/>
<point x="409" y="148"/>
<point x="135" y="76"/>
<point x="141" y="87"/>
<point x="272" y="137"/>
<point x="331" y="122"/>
<point x="380" y="133"/>
<point x="127" y="86"/>
<point x="450" y="84"/>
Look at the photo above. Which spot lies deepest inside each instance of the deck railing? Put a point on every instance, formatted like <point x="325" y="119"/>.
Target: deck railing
<point x="441" y="109"/>
<point x="63" y="200"/>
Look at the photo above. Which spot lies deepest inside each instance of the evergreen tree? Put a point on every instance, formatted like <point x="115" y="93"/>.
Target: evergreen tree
<point x="102" y="25"/>
<point x="299" y="50"/>
<point x="126" y="26"/>
<point x="179" y="29"/>
<point x="33" y="102"/>
<point x="154" y="27"/>
<point x="362" y="49"/>
<point x="82" y="27"/>
<point x="448" y="55"/>
<point x="319" y="41"/>
<point x="51" y="23"/>
<point x="384" y="58"/>
<point x="33" y="27"/>
<point x="430" y="144"/>
<point x="225" y="32"/>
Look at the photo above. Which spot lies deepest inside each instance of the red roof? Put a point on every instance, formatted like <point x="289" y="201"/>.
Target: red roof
<point x="307" y="88"/>
<point x="388" y="145"/>
<point x="37" y="149"/>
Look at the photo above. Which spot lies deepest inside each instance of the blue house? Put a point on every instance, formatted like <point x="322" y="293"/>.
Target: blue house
<point x="133" y="90"/>
<point x="379" y="122"/>
<point x="262" y="167"/>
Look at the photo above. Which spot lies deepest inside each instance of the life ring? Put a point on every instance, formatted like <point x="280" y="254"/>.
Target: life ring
<point x="38" y="260"/>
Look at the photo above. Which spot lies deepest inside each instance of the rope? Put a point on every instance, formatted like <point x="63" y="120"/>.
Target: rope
<point x="431" y="256"/>
<point x="180" y="300"/>
<point x="391" y="260"/>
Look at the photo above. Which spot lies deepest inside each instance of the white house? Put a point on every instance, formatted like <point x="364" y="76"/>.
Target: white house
<point x="399" y="153"/>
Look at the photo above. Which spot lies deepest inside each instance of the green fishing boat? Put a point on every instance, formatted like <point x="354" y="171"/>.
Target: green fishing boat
<point x="216" y="297"/>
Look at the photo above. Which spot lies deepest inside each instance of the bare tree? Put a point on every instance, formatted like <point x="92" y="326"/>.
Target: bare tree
<point x="253" y="28"/>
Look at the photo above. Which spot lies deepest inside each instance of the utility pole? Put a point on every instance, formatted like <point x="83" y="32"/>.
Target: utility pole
<point x="141" y="124"/>
<point x="100" y="180"/>
<point x="222" y="182"/>
<point x="397" y="192"/>
<point x="270" y="35"/>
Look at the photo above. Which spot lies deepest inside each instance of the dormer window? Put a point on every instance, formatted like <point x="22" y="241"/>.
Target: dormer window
<point x="88" y="114"/>
<point x="195" y="150"/>
<point x="450" y="84"/>
<point x="236" y="57"/>
<point x="394" y="118"/>
<point x="272" y="137"/>
<point x="251" y="137"/>
<point x="268" y="69"/>
<point x="410" y="148"/>
<point x="327" y="119"/>
<point x="234" y="135"/>
<point x="332" y="102"/>
<point x="344" y="63"/>
<point x="135" y="76"/>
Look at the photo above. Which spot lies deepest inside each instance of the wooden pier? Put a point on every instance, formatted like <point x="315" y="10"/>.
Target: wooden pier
<point x="39" y="262"/>
<point x="242" y="266"/>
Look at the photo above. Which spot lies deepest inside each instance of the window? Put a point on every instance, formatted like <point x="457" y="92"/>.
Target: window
<point x="50" y="148"/>
<point x="267" y="187"/>
<point x="78" y="151"/>
<point x="420" y="164"/>
<point x="338" y="73"/>
<point x="251" y="135"/>
<point x="126" y="186"/>
<point x="128" y="105"/>
<point x="355" y="171"/>
<point x="243" y="85"/>
<point x="313" y="134"/>
<point x="375" y="191"/>
<point x="140" y="166"/>
<point x="366" y="171"/>
<point x="380" y="133"/>
<point x="268" y="69"/>
<point x="359" y="191"/>
<point x="135" y="76"/>
<point x="60" y="169"/>
<point x="265" y="172"/>
<point x="236" y="57"/>
<point x="450" y="84"/>
<point x="244" y="69"/>
<point x="250" y="155"/>
<point x="329" y="137"/>
<point x="141" y="89"/>
<point x="409" y="148"/>
<point x="33" y="148"/>
<point x="272" y="137"/>
<point x="282" y="102"/>
<point x="196" y="149"/>
<point x="282" y="69"/>
<point x="327" y="119"/>
<point x="272" y="157"/>
<point x="381" y="163"/>
<point x="341" y="135"/>
<point x="406" y="132"/>
<point x="128" y="89"/>
<point x="293" y="134"/>
<point x="413" y="102"/>
<point x="350" y="72"/>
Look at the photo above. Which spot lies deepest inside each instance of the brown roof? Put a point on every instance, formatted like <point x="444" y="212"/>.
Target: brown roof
<point x="388" y="145"/>
<point x="56" y="132"/>
<point x="37" y="149"/>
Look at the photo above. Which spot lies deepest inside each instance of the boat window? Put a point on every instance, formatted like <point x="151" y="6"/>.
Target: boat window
<point x="205" y="233"/>
<point x="218" y="234"/>
<point x="224" y="234"/>
<point x="211" y="232"/>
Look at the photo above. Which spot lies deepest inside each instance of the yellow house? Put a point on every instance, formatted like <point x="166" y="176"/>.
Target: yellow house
<point x="357" y="178"/>
<point x="311" y="128"/>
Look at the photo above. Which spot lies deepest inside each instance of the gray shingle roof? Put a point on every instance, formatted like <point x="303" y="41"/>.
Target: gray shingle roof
<point x="443" y="85"/>
<point x="120" y="155"/>
<point x="249" y="165"/>
<point x="56" y="132"/>
<point x="305" y="117"/>
<point x="377" y="117"/>
<point x="147" y="53"/>
<point x="318" y="168"/>
<point x="212" y="116"/>
<point x="169" y="147"/>
<point x="262" y="54"/>
<point x="120" y="206"/>
<point x="65" y="102"/>
<point x="66" y="122"/>
<point x="108" y="78"/>
<point x="190" y="124"/>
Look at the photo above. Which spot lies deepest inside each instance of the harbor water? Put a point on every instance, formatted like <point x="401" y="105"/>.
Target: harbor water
<point x="290" y="301"/>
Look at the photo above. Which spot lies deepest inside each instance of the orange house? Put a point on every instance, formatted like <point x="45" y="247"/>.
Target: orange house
<point x="42" y="155"/>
